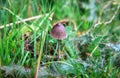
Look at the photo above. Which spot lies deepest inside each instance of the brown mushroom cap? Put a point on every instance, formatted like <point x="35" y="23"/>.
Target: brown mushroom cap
<point x="59" y="32"/>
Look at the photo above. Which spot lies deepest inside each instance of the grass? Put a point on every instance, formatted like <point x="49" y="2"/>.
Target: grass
<point x="90" y="51"/>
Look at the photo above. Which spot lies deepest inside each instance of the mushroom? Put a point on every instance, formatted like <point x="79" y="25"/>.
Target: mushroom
<point x="59" y="32"/>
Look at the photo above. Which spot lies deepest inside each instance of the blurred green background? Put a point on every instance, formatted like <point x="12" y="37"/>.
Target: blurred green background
<point x="91" y="50"/>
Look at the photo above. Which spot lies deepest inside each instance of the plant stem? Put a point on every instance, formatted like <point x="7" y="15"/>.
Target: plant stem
<point x="41" y="51"/>
<point x="58" y="50"/>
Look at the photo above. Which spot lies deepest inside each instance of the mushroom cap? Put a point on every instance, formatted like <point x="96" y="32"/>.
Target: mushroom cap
<point x="59" y="32"/>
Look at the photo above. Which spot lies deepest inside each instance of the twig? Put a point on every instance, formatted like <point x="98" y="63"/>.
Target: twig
<point x="24" y="20"/>
<point x="99" y="23"/>
<point x="109" y="21"/>
<point x="104" y="7"/>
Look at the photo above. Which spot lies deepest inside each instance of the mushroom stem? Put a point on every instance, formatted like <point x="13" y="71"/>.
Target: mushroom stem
<point x="58" y="50"/>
